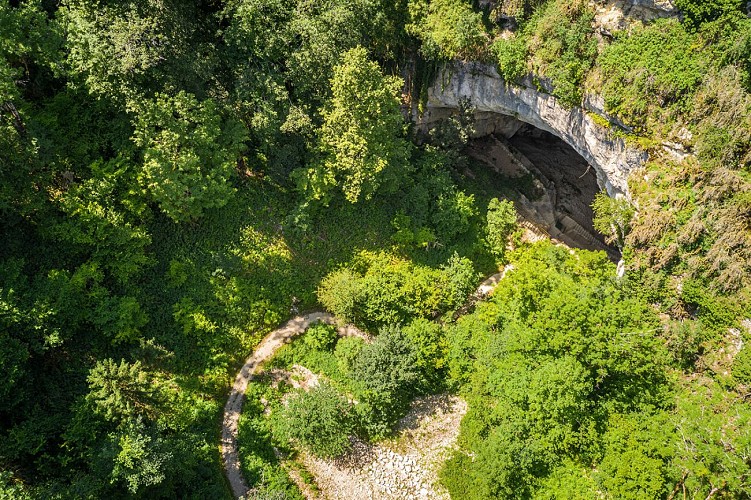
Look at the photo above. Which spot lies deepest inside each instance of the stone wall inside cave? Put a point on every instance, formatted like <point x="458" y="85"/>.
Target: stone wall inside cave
<point x="521" y="131"/>
<point x="500" y="108"/>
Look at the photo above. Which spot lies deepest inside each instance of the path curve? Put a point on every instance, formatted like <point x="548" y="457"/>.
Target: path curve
<point x="265" y="350"/>
<point x="233" y="408"/>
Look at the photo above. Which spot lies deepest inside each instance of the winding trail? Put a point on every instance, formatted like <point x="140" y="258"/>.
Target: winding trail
<point x="264" y="351"/>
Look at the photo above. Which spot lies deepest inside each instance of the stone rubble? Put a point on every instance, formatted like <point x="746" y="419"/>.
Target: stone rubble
<point x="403" y="468"/>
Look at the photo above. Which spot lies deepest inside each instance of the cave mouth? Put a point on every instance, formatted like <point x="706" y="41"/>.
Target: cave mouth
<point x="553" y="185"/>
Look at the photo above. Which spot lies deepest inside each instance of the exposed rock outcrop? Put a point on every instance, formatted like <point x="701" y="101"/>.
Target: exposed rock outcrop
<point x="611" y="15"/>
<point x="500" y="107"/>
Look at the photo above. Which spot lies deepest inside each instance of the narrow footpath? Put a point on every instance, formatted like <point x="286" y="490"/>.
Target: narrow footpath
<point x="264" y="351"/>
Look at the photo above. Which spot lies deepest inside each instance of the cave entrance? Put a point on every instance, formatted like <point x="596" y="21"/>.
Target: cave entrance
<point x="553" y="186"/>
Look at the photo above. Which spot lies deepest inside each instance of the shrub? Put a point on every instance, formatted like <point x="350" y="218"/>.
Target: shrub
<point x="654" y="67"/>
<point x="454" y="210"/>
<point x="433" y="210"/>
<point x="320" y="336"/>
<point x="341" y="292"/>
<point x="698" y="12"/>
<point x="511" y="56"/>
<point x="684" y="341"/>
<point x="742" y="365"/>
<point x="347" y="350"/>
<point x="612" y="217"/>
<point x="430" y="346"/>
<point x="458" y="278"/>
<point x="448" y="29"/>
<point x="562" y="46"/>
<point x="394" y="290"/>
<point x="319" y="420"/>
<point x="559" y="347"/>
<point x="387" y="374"/>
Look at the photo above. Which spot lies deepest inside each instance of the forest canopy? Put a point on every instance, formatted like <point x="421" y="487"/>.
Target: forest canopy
<point x="177" y="179"/>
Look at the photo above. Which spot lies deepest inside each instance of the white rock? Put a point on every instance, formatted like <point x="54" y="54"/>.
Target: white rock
<point x="610" y="156"/>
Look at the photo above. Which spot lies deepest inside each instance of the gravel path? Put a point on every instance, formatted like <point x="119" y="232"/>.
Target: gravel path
<point x="264" y="351"/>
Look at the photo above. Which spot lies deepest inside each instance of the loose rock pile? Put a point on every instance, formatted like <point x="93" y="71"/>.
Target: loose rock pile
<point x="405" y="467"/>
<point x="399" y="476"/>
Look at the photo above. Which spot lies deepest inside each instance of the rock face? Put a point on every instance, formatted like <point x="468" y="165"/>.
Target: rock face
<point x="613" y="15"/>
<point x="501" y="107"/>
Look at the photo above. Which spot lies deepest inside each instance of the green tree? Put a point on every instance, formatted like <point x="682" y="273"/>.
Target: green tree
<point x="557" y="349"/>
<point x="319" y="420"/>
<point x="100" y="218"/>
<point x="501" y="221"/>
<point x="387" y="375"/>
<point x="430" y="346"/>
<point x="613" y="218"/>
<point x="190" y="153"/>
<point x="124" y="51"/>
<point x="139" y="457"/>
<point x="448" y="29"/>
<point x="636" y="462"/>
<point x="121" y="391"/>
<point x="361" y="137"/>
<point x="341" y="292"/>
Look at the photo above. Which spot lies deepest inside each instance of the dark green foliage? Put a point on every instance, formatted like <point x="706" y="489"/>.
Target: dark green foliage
<point x="138" y="457"/>
<point x="120" y="392"/>
<point x="124" y="50"/>
<point x="318" y="420"/>
<point x="433" y="211"/>
<point x="189" y="154"/>
<point x="698" y="12"/>
<point x="452" y="135"/>
<point x="556" y="45"/>
<point x="387" y="375"/>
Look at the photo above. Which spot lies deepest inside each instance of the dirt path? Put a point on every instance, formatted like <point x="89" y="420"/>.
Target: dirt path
<point x="264" y="351"/>
<point x="233" y="408"/>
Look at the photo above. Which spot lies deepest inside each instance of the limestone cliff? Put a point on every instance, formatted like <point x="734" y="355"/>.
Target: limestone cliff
<point x="610" y="156"/>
